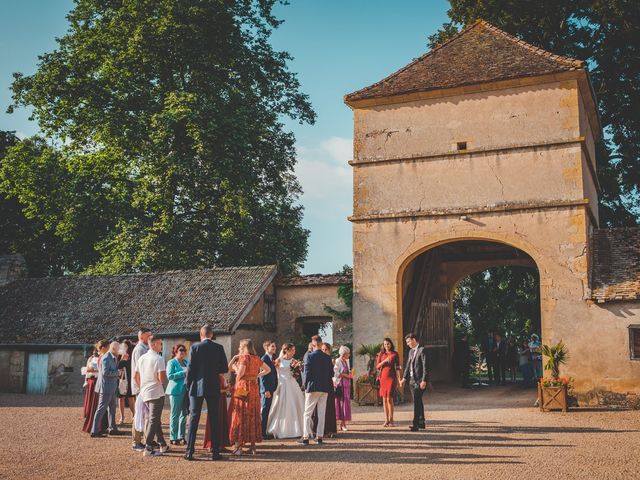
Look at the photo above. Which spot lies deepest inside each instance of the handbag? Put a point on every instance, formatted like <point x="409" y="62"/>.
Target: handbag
<point x="339" y="390"/>
<point x="123" y="386"/>
<point x="241" y="393"/>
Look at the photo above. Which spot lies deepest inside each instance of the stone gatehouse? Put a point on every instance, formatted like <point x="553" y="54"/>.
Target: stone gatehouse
<point x="482" y="153"/>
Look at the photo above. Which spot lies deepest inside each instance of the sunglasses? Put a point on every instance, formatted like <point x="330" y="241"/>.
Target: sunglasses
<point x="182" y="350"/>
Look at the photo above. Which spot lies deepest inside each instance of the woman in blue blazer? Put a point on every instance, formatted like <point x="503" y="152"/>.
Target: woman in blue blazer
<point x="176" y="373"/>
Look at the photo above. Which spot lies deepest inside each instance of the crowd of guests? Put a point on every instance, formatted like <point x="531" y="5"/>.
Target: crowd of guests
<point x="267" y="400"/>
<point x="503" y="359"/>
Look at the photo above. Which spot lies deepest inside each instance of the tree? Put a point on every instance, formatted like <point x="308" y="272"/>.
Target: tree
<point x="20" y="230"/>
<point x="606" y="34"/>
<point x="168" y="120"/>
<point x="500" y="299"/>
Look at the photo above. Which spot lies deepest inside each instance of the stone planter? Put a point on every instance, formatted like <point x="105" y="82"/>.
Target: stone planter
<point x="552" y="398"/>
<point x="367" y="394"/>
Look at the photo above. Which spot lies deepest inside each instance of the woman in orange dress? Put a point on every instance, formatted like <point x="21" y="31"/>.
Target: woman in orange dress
<point x="388" y="366"/>
<point x="246" y="422"/>
<point x="223" y="419"/>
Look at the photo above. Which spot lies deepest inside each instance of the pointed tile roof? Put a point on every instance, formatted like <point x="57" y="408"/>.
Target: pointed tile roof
<point x="479" y="53"/>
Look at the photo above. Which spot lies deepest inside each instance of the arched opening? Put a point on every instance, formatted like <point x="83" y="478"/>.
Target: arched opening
<point x="442" y="290"/>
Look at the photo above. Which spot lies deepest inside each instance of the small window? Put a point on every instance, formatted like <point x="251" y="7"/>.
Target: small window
<point x="461" y="146"/>
<point x="269" y="309"/>
<point x="634" y="341"/>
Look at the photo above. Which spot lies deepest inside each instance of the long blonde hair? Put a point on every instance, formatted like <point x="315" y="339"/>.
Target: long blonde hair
<point x="249" y="344"/>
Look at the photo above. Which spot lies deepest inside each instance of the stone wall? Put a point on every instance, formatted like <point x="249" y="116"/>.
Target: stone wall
<point x="12" y="374"/>
<point x="300" y="301"/>
<point x="64" y="371"/>
<point x="523" y="180"/>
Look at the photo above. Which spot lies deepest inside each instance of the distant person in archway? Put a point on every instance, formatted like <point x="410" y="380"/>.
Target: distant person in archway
<point x="511" y="358"/>
<point x="536" y="356"/>
<point x="417" y="374"/>
<point x="500" y="350"/>
<point x="462" y="360"/>
<point x="388" y="366"/>
<point x="488" y="348"/>
<point x="524" y="359"/>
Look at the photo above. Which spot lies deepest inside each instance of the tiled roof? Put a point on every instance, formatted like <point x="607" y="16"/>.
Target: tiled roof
<point x="615" y="264"/>
<point x="83" y="309"/>
<point x="314" y="279"/>
<point x="480" y="53"/>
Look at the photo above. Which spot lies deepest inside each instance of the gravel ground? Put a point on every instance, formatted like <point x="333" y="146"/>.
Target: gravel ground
<point x="493" y="433"/>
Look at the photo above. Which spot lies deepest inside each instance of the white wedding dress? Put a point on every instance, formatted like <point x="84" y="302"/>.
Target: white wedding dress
<point x="287" y="407"/>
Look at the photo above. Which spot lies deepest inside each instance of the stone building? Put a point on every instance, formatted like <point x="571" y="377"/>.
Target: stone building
<point x="481" y="153"/>
<point x="48" y="325"/>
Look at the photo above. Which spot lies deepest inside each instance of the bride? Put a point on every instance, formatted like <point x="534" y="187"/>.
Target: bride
<point x="287" y="406"/>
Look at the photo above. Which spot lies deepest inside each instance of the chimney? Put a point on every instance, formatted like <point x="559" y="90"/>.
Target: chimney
<point x="12" y="267"/>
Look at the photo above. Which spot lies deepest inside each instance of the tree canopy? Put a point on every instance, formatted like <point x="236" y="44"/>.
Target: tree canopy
<point x="505" y="300"/>
<point x="165" y="143"/>
<point x="604" y="33"/>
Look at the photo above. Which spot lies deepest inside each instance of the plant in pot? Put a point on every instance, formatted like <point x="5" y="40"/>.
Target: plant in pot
<point x="553" y="391"/>
<point x="366" y="388"/>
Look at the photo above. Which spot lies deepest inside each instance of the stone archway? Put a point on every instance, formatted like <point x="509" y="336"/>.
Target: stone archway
<point x="427" y="281"/>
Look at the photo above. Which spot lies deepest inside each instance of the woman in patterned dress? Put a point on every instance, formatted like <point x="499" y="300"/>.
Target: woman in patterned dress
<point x="246" y="422"/>
<point x="342" y="377"/>
<point x="388" y="366"/>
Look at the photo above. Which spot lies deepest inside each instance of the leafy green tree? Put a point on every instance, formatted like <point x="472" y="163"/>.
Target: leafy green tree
<point x="20" y="229"/>
<point x="168" y="116"/>
<point x="500" y="299"/>
<point x="606" y="34"/>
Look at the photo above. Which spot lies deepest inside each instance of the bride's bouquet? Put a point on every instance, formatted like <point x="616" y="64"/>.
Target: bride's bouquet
<point x="296" y="370"/>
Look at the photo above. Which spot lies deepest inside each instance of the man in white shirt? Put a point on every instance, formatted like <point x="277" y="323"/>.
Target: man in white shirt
<point x="140" y="349"/>
<point x="151" y="375"/>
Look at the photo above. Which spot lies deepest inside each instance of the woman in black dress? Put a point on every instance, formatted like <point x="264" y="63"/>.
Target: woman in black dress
<point x="124" y="363"/>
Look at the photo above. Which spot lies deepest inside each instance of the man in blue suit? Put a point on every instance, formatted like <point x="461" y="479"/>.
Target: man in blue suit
<point x="318" y="374"/>
<point x="268" y="384"/>
<point x="106" y="386"/>
<point x="208" y="360"/>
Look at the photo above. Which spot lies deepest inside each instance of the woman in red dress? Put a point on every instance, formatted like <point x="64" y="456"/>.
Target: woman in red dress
<point x="246" y="422"/>
<point x="223" y="419"/>
<point x="388" y="366"/>
<point x="91" y="396"/>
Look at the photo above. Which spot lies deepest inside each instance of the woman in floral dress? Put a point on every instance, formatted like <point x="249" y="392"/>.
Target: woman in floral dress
<point x="342" y="378"/>
<point x="246" y="422"/>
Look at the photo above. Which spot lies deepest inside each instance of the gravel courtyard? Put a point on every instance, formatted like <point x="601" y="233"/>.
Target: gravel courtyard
<point x="493" y="433"/>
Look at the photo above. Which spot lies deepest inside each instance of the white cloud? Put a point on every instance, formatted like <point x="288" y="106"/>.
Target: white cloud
<point x="324" y="173"/>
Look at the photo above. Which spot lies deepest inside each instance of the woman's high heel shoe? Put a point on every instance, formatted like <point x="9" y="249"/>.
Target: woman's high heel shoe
<point x="237" y="452"/>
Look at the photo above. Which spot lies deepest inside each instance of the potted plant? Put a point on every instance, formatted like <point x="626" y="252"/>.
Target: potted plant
<point x="553" y="392"/>
<point x="366" y="388"/>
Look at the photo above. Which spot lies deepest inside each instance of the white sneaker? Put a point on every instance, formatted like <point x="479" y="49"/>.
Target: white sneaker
<point x="164" y="449"/>
<point x="151" y="453"/>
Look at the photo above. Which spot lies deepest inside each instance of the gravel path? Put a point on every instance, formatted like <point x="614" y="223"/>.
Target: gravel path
<point x="493" y="433"/>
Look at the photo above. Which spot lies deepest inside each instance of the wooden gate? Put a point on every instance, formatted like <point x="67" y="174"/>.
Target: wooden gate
<point x="37" y="373"/>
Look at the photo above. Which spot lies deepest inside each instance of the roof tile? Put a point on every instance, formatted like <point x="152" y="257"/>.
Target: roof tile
<point x="82" y="309"/>
<point x="480" y="53"/>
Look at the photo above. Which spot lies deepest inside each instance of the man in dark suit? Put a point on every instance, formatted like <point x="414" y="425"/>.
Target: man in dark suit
<point x="417" y="374"/>
<point x="499" y="354"/>
<point x="268" y="384"/>
<point x="208" y="360"/>
<point x="318" y="374"/>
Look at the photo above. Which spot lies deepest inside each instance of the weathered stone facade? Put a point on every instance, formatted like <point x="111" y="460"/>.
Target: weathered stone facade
<point x="502" y="160"/>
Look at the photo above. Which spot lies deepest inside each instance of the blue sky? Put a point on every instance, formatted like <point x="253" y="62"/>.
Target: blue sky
<point x="338" y="47"/>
